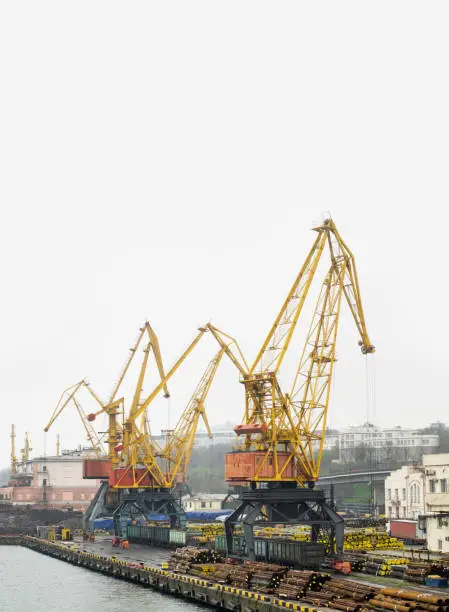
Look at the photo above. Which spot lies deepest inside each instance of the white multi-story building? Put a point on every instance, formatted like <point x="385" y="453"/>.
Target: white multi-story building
<point x="229" y="437"/>
<point x="422" y="493"/>
<point x="436" y="470"/>
<point x="202" y="439"/>
<point x="385" y="444"/>
<point x="405" y="493"/>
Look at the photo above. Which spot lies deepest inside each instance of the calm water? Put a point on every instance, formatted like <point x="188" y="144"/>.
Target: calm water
<point x="33" y="582"/>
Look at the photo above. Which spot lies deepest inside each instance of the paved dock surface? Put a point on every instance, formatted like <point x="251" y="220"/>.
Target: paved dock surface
<point x="137" y="553"/>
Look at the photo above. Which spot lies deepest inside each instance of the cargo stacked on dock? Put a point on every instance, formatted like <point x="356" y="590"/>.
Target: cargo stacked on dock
<point x="314" y="588"/>
<point x="203" y="533"/>
<point x="53" y="533"/>
<point x="195" y="561"/>
<point x="377" y="565"/>
<point x="297" y="583"/>
<point x="369" y="539"/>
<point x="405" y="601"/>
<point x="401" y="568"/>
<point x="341" y="594"/>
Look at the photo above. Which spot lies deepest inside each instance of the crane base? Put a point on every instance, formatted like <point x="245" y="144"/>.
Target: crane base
<point x="289" y="505"/>
<point x="138" y="504"/>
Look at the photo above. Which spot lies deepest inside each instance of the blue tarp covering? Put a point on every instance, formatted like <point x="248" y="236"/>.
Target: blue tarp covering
<point x="104" y="523"/>
<point x="212" y="515"/>
<point x="204" y="515"/>
<point x="157" y="517"/>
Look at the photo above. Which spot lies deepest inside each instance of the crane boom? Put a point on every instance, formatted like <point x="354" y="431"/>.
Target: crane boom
<point x="180" y="441"/>
<point x="92" y="435"/>
<point x="154" y="342"/>
<point x="61" y="405"/>
<point x="137" y="448"/>
<point x="141" y="409"/>
<point x="276" y="343"/>
<point x="231" y="348"/>
<point x="350" y="283"/>
<point x="69" y="396"/>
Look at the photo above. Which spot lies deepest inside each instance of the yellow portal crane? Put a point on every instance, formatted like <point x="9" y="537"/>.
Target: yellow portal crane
<point x="69" y="397"/>
<point x="141" y="466"/>
<point x="283" y="434"/>
<point x="137" y="448"/>
<point x="116" y="406"/>
<point x="156" y="469"/>
<point x="26" y="450"/>
<point x="14" y="461"/>
<point x="147" y="463"/>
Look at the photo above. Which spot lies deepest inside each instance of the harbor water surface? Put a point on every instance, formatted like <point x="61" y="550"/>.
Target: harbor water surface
<point x="30" y="581"/>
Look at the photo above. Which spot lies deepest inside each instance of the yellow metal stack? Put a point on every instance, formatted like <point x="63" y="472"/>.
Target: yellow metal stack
<point x="370" y="539"/>
<point x="202" y="533"/>
<point x="357" y="539"/>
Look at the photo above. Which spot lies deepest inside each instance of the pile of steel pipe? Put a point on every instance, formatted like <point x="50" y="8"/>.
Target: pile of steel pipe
<point x="404" y="600"/>
<point x="297" y="583"/>
<point x="183" y="559"/>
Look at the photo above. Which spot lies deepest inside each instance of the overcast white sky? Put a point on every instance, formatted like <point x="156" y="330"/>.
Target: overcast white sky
<point x="167" y="161"/>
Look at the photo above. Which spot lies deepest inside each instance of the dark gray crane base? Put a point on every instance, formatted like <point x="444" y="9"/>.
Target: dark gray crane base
<point x="138" y="504"/>
<point x="290" y="506"/>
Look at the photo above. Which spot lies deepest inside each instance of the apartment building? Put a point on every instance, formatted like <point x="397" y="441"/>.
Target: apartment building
<point x="385" y="444"/>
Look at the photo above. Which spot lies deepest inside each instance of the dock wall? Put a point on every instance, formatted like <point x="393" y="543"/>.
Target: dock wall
<point x="203" y="591"/>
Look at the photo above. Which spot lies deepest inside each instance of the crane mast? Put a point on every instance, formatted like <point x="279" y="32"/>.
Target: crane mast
<point x="14" y="461"/>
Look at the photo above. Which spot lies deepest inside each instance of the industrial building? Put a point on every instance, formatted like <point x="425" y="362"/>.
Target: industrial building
<point x="56" y="481"/>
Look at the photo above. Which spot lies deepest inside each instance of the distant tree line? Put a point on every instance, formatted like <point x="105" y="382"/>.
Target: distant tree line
<point x="206" y="469"/>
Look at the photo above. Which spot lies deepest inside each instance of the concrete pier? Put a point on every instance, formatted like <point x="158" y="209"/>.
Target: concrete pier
<point x="202" y="591"/>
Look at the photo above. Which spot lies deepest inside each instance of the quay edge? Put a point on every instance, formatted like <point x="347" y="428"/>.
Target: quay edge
<point x="201" y="591"/>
